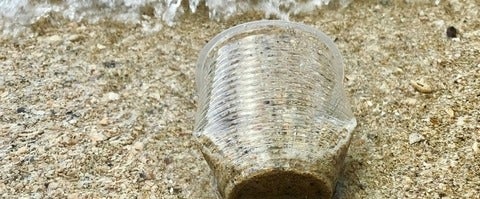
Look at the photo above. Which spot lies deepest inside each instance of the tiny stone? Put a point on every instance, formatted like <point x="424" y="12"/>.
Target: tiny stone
<point x="460" y="121"/>
<point x="439" y="23"/>
<point x="450" y="112"/>
<point x="398" y="71"/>
<point x="410" y="101"/>
<point x="455" y="5"/>
<point x="452" y="32"/>
<point x="475" y="147"/>
<point x="72" y="195"/>
<point x="421" y="87"/>
<point x="109" y="64"/>
<point x="72" y="25"/>
<point x="53" y="39"/>
<point x="407" y="181"/>
<point x="22" y="150"/>
<point x="38" y="112"/>
<point x="6" y="93"/>
<point x="21" y="110"/>
<point x="74" y="38"/>
<point x="111" y="96"/>
<point x="138" y="146"/>
<point x="415" y="137"/>
<point x="384" y="2"/>
<point x="96" y="137"/>
<point x="369" y="103"/>
<point x="421" y="13"/>
<point x="155" y="95"/>
<point x="101" y="47"/>
<point x="104" y="121"/>
<point x="53" y="185"/>
<point x="167" y="160"/>
<point x="69" y="141"/>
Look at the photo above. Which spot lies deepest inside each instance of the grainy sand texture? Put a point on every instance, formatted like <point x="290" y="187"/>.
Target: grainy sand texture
<point x="107" y="110"/>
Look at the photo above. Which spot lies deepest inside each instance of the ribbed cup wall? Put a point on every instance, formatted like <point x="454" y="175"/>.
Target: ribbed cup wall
<point x="271" y="106"/>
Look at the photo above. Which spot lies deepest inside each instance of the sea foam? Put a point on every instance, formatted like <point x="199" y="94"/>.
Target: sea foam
<point x="18" y="15"/>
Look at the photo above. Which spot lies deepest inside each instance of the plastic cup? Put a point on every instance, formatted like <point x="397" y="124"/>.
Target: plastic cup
<point x="273" y="120"/>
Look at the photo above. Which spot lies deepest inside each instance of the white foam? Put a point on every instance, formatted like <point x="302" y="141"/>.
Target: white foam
<point x="17" y="15"/>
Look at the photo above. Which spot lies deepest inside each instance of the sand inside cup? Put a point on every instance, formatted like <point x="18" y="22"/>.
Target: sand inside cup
<point x="282" y="184"/>
<point x="288" y="172"/>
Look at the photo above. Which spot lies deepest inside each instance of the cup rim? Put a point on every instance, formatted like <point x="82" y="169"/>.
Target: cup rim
<point x="241" y="28"/>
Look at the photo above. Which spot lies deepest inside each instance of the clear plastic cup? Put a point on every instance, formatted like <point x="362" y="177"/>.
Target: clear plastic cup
<point x="273" y="120"/>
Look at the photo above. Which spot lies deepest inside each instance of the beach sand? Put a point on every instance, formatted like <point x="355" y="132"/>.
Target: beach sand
<point x="106" y="110"/>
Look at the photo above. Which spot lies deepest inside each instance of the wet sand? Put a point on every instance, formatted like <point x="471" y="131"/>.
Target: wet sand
<point x="106" y="110"/>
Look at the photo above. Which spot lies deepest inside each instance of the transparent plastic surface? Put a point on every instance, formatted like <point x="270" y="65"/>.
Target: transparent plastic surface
<point x="273" y="120"/>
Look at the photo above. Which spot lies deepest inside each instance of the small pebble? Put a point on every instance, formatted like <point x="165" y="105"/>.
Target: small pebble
<point x="21" y="110"/>
<point x="74" y="38"/>
<point x="450" y="112"/>
<point x="397" y="71"/>
<point x="452" y="32"/>
<point x="104" y="121"/>
<point x="475" y="147"/>
<point x="369" y="103"/>
<point x="72" y="25"/>
<point x="97" y="137"/>
<point x="167" y="160"/>
<point x="53" y="39"/>
<point x="411" y="101"/>
<point x="22" y="150"/>
<point x="415" y="137"/>
<point x="421" y="13"/>
<point x="138" y="146"/>
<point x="421" y="87"/>
<point x="111" y="96"/>
<point x="439" y="23"/>
<point x="101" y="47"/>
<point x="460" y="121"/>
<point x="109" y="64"/>
<point x="6" y="93"/>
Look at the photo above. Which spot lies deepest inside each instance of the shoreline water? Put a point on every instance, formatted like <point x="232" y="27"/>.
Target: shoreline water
<point x="17" y="16"/>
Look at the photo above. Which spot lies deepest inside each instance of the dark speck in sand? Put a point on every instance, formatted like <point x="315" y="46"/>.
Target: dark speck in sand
<point x="21" y="110"/>
<point x="109" y="64"/>
<point x="452" y="32"/>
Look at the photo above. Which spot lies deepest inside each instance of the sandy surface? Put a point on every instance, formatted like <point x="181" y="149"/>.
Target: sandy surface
<point x="89" y="111"/>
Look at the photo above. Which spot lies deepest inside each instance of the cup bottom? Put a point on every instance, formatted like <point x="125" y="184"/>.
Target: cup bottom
<point x="281" y="184"/>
